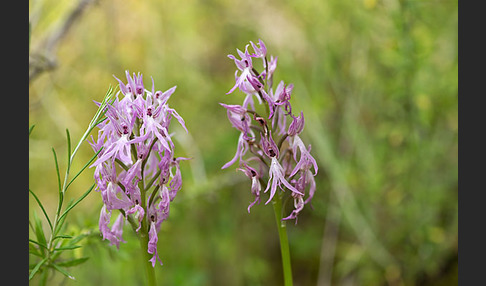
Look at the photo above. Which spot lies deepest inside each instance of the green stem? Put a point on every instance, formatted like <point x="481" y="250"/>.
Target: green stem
<point x="284" y="241"/>
<point x="144" y="229"/>
<point x="149" y="270"/>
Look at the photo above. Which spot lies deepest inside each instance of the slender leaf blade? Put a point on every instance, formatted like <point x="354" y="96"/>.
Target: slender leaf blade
<point x="42" y="208"/>
<point x="57" y="171"/>
<point x="73" y="262"/>
<point x="63" y="271"/>
<point x="69" y="146"/>
<point x="31" y="128"/>
<point x="38" y="243"/>
<point x="34" y="250"/>
<point x="36" y="268"/>
<point x="39" y="232"/>
<point x="84" y="167"/>
<point x="69" y="247"/>
<point x="64" y="236"/>
<point x="77" y="201"/>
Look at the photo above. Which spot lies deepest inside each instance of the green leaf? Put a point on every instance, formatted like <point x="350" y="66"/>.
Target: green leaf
<point x="79" y="238"/>
<point x="73" y="262"/>
<point x="63" y="236"/>
<point x="107" y="99"/>
<point x="70" y="247"/>
<point x="32" y="265"/>
<point x="42" y="208"/>
<point x="36" y="268"/>
<point x="77" y="201"/>
<point x="39" y="232"/>
<point x="101" y="120"/>
<point x="69" y="146"/>
<point x="58" y="175"/>
<point x="31" y="128"/>
<point x="34" y="250"/>
<point x="43" y="278"/>
<point x="60" y="225"/>
<point x="84" y="167"/>
<point x="63" y="271"/>
<point x="39" y="244"/>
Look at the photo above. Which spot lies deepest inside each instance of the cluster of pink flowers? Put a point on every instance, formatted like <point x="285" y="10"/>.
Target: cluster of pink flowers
<point x="284" y="162"/>
<point x="136" y="170"/>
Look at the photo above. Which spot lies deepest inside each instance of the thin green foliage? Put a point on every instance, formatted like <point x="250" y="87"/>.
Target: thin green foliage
<point x="57" y="170"/>
<point x="39" y="233"/>
<point x="37" y="267"/>
<point x="63" y="271"/>
<point x="50" y="247"/>
<point x="31" y="128"/>
<point x="84" y="167"/>
<point x="77" y="201"/>
<point x="70" y="247"/>
<point x="37" y="243"/>
<point x="42" y="208"/>
<point x="33" y="249"/>
<point x="63" y="236"/>
<point x="69" y="145"/>
<point x="73" y="262"/>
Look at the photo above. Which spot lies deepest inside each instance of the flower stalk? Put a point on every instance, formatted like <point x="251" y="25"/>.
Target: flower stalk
<point x="283" y="168"/>
<point x="149" y="269"/>
<point x="284" y="241"/>
<point x="136" y="170"/>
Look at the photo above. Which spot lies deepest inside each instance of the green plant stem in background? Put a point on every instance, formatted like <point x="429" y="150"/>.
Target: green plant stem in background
<point x="284" y="241"/>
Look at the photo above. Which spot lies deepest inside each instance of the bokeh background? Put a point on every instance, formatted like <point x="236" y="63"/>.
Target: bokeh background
<point x="376" y="80"/>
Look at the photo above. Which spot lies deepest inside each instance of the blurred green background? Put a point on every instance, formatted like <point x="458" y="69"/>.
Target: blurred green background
<point x="377" y="82"/>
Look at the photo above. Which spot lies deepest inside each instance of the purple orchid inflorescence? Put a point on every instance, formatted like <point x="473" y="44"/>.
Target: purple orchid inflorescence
<point x="136" y="170"/>
<point x="284" y="162"/>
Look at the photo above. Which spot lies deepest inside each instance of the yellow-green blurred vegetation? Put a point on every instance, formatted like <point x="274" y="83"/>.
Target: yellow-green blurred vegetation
<point x="377" y="82"/>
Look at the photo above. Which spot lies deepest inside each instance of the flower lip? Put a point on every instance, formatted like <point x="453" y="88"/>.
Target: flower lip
<point x="257" y="85"/>
<point x="271" y="152"/>
<point x="297" y="125"/>
<point x="125" y="128"/>
<point x="269" y="147"/>
<point x="139" y="90"/>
